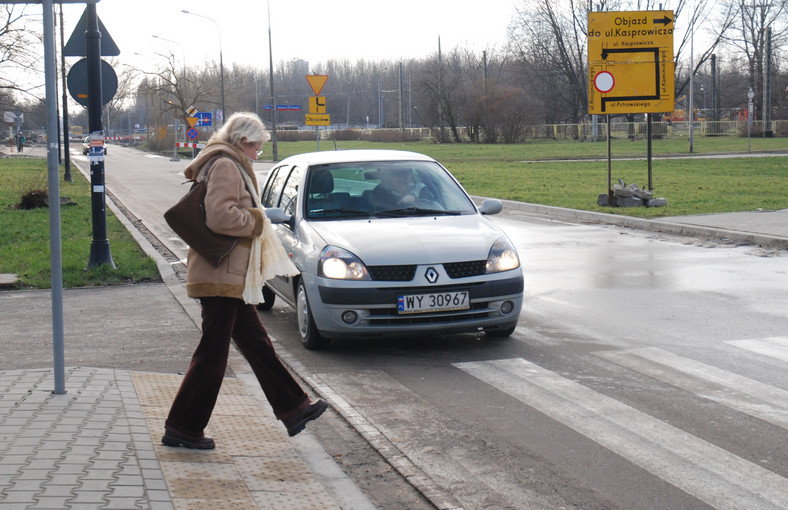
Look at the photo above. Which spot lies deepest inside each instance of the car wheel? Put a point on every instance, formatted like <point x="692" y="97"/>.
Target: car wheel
<point x="500" y="333"/>
<point x="269" y="298"/>
<point x="310" y="336"/>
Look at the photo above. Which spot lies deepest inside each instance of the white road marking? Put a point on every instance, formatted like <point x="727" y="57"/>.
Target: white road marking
<point x="774" y="347"/>
<point x="737" y="392"/>
<point x="697" y="467"/>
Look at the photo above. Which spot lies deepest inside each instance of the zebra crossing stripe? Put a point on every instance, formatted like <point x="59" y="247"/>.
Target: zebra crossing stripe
<point x="737" y="392"/>
<point x="774" y="347"/>
<point x="697" y="467"/>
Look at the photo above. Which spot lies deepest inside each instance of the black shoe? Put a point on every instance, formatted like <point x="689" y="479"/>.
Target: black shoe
<point x="297" y="423"/>
<point x="174" y="439"/>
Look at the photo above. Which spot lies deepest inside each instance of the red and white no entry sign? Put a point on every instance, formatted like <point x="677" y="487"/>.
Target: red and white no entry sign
<point x="604" y="81"/>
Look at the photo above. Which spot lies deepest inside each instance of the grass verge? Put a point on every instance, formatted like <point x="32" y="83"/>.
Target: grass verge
<point x="24" y="234"/>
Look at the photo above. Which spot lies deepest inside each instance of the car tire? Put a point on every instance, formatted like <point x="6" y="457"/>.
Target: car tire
<point x="269" y="298"/>
<point x="310" y="336"/>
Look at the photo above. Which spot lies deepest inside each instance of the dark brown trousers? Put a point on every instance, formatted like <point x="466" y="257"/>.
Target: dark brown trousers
<point x="224" y="319"/>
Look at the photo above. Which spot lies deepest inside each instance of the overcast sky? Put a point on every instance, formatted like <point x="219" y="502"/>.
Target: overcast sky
<point x="312" y="30"/>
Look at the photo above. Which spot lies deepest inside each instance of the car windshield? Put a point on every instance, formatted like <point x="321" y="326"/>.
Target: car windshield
<point x="383" y="189"/>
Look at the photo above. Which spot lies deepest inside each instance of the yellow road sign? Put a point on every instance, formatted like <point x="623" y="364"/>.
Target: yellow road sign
<point x="318" y="119"/>
<point x="317" y="104"/>
<point x="317" y="81"/>
<point x="192" y="121"/>
<point x="630" y="62"/>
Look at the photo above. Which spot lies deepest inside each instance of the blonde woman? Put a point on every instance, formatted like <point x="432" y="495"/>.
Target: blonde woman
<point x="229" y="292"/>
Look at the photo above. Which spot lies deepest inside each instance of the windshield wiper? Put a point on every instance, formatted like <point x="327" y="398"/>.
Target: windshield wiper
<point x="417" y="211"/>
<point x="346" y="212"/>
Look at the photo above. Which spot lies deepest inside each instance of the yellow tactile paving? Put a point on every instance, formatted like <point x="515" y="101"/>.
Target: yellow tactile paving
<point x="253" y="465"/>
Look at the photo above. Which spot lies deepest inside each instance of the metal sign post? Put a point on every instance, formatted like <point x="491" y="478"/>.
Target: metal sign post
<point x="99" y="247"/>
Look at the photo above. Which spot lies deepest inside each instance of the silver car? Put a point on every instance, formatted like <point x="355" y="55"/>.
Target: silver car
<point x="388" y="244"/>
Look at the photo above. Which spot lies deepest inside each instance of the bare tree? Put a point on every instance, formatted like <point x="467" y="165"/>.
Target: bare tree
<point x="178" y="88"/>
<point x="19" y="42"/>
<point x="549" y="41"/>
<point x="754" y="26"/>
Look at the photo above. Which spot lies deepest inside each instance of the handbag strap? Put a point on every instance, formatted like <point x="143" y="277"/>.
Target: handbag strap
<point x="203" y="175"/>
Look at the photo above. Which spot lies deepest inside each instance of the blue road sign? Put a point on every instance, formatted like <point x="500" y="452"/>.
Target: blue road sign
<point x="283" y="107"/>
<point x="203" y="119"/>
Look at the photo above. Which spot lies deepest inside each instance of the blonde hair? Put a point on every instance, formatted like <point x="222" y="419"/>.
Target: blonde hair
<point x="241" y="127"/>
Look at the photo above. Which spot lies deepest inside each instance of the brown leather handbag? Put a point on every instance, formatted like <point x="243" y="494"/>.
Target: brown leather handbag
<point x="187" y="219"/>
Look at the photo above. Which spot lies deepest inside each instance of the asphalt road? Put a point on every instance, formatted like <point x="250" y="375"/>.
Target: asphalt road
<point x="648" y="371"/>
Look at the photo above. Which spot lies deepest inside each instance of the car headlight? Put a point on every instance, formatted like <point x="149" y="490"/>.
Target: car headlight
<point x="503" y="257"/>
<point x="340" y="264"/>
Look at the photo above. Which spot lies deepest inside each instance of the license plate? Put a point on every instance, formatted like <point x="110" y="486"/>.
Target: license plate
<point x="436" y="302"/>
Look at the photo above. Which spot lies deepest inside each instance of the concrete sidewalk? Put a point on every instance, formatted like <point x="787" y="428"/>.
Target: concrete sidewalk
<point x="98" y="446"/>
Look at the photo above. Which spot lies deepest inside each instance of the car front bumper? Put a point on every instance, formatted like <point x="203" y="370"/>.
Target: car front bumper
<point x="343" y="309"/>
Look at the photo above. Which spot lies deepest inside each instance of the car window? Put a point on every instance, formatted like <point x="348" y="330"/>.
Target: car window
<point x="402" y="188"/>
<point x="273" y="189"/>
<point x="290" y="192"/>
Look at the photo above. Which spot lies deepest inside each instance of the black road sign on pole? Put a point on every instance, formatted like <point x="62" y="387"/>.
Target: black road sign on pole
<point x="99" y="248"/>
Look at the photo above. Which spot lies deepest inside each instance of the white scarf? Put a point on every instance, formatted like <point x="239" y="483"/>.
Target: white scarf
<point x="268" y="257"/>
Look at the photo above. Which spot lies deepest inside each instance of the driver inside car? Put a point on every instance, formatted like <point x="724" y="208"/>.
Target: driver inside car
<point x="397" y="189"/>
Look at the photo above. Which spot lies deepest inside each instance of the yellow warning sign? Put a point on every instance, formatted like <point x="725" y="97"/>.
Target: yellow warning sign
<point x="630" y="62"/>
<point x="192" y="121"/>
<point x="318" y="119"/>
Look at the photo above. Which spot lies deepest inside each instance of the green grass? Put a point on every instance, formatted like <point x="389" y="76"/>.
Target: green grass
<point x="548" y="150"/>
<point x="24" y="234"/>
<point x="691" y="186"/>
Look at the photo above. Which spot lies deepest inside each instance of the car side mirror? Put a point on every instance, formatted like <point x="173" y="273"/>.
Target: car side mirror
<point x="277" y="215"/>
<point x="491" y="206"/>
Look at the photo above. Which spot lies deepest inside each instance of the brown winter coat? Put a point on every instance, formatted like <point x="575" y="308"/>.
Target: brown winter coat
<point x="229" y="210"/>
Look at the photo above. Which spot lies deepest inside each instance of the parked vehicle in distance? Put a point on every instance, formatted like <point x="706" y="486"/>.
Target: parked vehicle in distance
<point x="388" y="244"/>
<point x="86" y="146"/>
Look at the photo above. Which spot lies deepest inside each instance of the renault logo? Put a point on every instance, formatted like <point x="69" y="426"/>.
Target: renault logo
<point x="431" y="275"/>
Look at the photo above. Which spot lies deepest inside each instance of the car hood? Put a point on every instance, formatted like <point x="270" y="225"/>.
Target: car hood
<point x="413" y="240"/>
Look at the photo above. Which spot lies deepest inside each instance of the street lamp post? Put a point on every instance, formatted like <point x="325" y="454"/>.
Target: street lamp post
<point x="750" y="96"/>
<point x="221" y="63"/>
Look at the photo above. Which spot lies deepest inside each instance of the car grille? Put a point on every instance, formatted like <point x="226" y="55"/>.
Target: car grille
<point x="392" y="273"/>
<point x="465" y="269"/>
<point x="405" y="273"/>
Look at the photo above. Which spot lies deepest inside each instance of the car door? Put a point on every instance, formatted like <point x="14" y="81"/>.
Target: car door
<point x="283" y="193"/>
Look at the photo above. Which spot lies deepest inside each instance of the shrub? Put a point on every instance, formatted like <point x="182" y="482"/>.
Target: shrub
<point x="346" y="134"/>
<point x="34" y="199"/>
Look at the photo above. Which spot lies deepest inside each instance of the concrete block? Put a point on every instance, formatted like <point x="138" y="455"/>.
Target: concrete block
<point x="628" y="202"/>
